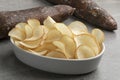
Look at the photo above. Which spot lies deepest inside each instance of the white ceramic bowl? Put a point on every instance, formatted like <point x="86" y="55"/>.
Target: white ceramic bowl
<point x="55" y="65"/>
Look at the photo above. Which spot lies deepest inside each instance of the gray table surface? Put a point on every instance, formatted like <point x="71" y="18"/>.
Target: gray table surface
<point x="109" y="69"/>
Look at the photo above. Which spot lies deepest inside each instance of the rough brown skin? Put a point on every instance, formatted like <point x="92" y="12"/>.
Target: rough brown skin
<point x="90" y="12"/>
<point x="8" y="19"/>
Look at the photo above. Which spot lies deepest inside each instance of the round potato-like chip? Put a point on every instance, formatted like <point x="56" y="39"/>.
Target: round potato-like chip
<point x="34" y="23"/>
<point x="46" y="46"/>
<point x="49" y="22"/>
<point x="38" y="53"/>
<point x="70" y="46"/>
<point x="84" y="51"/>
<point x="45" y="30"/>
<point x="38" y="32"/>
<point x="31" y="44"/>
<point x="89" y="40"/>
<point x="17" y="43"/>
<point x="53" y="35"/>
<point x="55" y="54"/>
<point x="21" y="26"/>
<point x="63" y="29"/>
<point x="99" y="35"/>
<point x="60" y="46"/>
<point x="28" y="31"/>
<point x="77" y="27"/>
<point x="17" y="33"/>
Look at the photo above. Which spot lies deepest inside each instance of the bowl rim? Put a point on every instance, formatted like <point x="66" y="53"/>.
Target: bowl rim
<point x="62" y="59"/>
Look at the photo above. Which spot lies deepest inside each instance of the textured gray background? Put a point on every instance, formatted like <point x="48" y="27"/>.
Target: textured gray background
<point x="109" y="69"/>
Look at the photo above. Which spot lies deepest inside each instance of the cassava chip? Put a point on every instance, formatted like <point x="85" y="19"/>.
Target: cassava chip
<point x="38" y="53"/>
<point x="70" y="46"/>
<point x="34" y="23"/>
<point x="28" y="31"/>
<point x="77" y="27"/>
<point x="21" y="26"/>
<point x="16" y="33"/>
<point x="31" y="44"/>
<point x="37" y="33"/>
<point x="47" y="46"/>
<point x="45" y="30"/>
<point x="84" y="51"/>
<point x="49" y="22"/>
<point x="77" y="41"/>
<point x="53" y="35"/>
<point x="89" y="40"/>
<point x="17" y="43"/>
<point x="63" y="29"/>
<point x="60" y="46"/>
<point x="99" y="35"/>
<point x="55" y="54"/>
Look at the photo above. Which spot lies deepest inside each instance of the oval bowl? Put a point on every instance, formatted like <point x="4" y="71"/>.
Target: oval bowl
<point x="56" y="65"/>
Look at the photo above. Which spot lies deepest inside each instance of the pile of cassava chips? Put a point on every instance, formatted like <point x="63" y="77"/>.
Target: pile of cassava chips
<point x="57" y="40"/>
